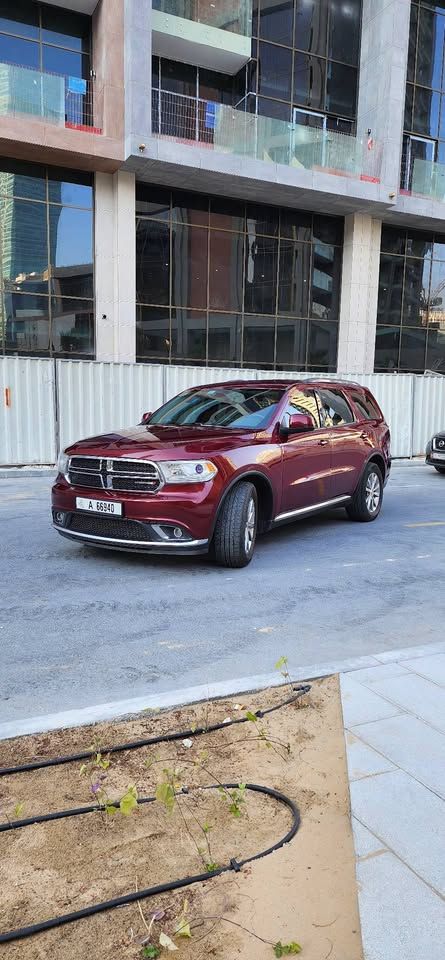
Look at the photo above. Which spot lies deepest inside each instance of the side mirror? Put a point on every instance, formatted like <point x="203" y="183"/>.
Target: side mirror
<point x="146" y="417"/>
<point x="298" y="423"/>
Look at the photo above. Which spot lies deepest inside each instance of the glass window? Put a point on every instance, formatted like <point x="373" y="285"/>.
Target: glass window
<point x="435" y="350"/>
<point x="311" y="19"/>
<point x="412" y="43"/>
<point x="365" y="406"/>
<point x="190" y="208"/>
<point x="412" y="349"/>
<point x="387" y="346"/>
<point x="409" y="104"/>
<point x="275" y="74"/>
<point x="430" y="49"/>
<point x="152" y="262"/>
<point x="419" y="244"/>
<point x="393" y="239"/>
<point x="216" y="87"/>
<point x="77" y="191"/>
<point x="179" y="78"/>
<point x="189" y="266"/>
<point x="226" y="214"/>
<point x="341" y="90"/>
<point x="416" y="292"/>
<point x="20" y="18"/>
<point x="274" y="109"/>
<point x="226" y="270"/>
<point x="65" y="62"/>
<point x="389" y="308"/>
<point x="344" y="30"/>
<point x="25" y="53"/>
<point x="294" y="278"/>
<point x="188" y="335"/>
<point x="334" y="408"/>
<point x="24" y="244"/>
<point x="322" y="344"/>
<point x="152" y="202"/>
<point x="296" y="225"/>
<point x="71" y="245"/>
<point x="25" y="180"/>
<point x="304" y="401"/>
<point x="328" y="229"/>
<point x="262" y="220"/>
<point x="228" y="407"/>
<point x="258" y="341"/>
<point x="66" y="29"/>
<point x="439" y="248"/>
<point x="224" y="338"/>
<point x="309" y="81"/>
<point x="276" y="23"/>
<point x="155" y="67"/>
<point x="291" y="342"/>
<point x="26" y="323"/>
<point x="426" y="112"/>
<point x="72" y="327"/>
<point x="326" y="272"/>
<point x="436" y="299"/>
<point x="152" y="333"/>
<point x="261" y="275"/>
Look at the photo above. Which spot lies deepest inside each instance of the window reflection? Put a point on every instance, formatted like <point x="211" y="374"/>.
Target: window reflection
<point x="72" y="327"/>
<point x="258" y="341"/>
<point x="293" y="285"/>
<point x="226" y="270"/>
<point x="224" y="339"/>
<point x="152" y="333"/>
<point x="26" y="321"/>
<point x="322" y="344"/>
<point x="71" y="247"/>
<point x="188" y="335"/>
<point x="152" y="262"/>
<point x="311" y="20"/>
<point x="261" y="275"/>
<point x="189" y="266"/>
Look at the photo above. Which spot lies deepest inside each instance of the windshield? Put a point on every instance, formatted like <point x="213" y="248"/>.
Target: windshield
<point x="249" y="408"/>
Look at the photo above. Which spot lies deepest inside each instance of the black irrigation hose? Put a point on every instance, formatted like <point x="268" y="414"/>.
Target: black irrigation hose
<point x="63" y="814"/>
<point x="31" y="930"/>
<point x="149" y="741"/>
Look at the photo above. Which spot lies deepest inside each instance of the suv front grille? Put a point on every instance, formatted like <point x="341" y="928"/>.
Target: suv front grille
<point x="111" y="528"/>
<point x="439" y="444"/>
<point x="136" y="476"/>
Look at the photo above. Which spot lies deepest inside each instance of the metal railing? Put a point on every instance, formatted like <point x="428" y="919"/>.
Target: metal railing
<point x="424" y="178"/>
<point x="219" y="127"/>
<point x="232" y="15"/>
<point x="60" y="100"/>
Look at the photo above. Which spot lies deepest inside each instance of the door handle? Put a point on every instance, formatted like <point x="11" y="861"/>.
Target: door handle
<point x="364" y="435"/>
<point x="323" y="443"/>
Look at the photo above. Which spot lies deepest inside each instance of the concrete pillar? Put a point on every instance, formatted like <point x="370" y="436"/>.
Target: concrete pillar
<point x="381" y="102"/>
<point x="137" y="39"/>
<point x="359" y="293"/>
<point x="115" y="266"/>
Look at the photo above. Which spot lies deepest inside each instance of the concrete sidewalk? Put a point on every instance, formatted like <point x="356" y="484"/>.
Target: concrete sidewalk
<point x="394" y="715"/>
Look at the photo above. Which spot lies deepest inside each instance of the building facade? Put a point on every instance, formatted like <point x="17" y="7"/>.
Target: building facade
<point x="247" y="183"/>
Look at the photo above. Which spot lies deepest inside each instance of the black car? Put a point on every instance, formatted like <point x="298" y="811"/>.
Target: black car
<point x="435" y="452"/>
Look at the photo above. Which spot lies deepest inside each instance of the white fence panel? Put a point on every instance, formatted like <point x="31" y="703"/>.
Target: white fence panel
<point x="181" y="378"/>
<point x="27" y="411"/>
<point x="97" y="397"/>
<point x="429" y="407"/>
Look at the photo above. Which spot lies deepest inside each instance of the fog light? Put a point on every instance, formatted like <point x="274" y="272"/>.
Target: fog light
<point x="59" y="517"/>
<point x="177" y="532"/>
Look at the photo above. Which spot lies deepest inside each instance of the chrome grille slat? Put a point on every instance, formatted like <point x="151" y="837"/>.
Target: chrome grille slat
<point x="118" y="474"/>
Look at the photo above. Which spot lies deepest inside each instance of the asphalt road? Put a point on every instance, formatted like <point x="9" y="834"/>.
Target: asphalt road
<point x="81" y="626"/>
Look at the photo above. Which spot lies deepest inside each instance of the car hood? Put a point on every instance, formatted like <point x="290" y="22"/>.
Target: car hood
<point x="440" y="435"/>
<point x="145" y="441"/>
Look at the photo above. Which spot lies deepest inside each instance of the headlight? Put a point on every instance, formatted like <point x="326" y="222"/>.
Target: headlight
<point x="187" y="471"/>
<point x="62" y="463"/>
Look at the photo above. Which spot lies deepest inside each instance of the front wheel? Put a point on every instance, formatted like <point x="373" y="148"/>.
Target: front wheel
<point x="439" y="469"/>
<point x="366" y="502"/>
<point x="236" y="527"/>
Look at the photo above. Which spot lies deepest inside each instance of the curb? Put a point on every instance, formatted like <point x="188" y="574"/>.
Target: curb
<point x="7" y="473"/>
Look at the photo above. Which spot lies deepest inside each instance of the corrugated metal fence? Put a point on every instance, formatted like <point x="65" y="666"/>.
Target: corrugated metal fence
<point x="47" y="404"/>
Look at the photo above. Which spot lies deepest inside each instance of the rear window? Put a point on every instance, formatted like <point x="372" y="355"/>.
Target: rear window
<point x="366" y="406"/>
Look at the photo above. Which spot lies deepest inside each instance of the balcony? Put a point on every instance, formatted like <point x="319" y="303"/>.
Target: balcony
<point x="58" y="100"/>
<point x="193" y="122"/>
<point x="215" y="34"/>
<point x="423" y="178"/>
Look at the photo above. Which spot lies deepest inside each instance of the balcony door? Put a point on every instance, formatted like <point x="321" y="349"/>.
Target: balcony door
<point x="417" y="148"/>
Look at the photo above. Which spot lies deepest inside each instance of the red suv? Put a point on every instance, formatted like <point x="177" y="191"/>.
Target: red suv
<point x="219" y="464"/>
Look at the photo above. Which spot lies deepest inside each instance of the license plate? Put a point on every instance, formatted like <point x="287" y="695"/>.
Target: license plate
<point x="99" y="506"/>
<point x="438" y="456"/>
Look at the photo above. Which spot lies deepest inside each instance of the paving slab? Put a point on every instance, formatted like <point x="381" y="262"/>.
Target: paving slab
<point x="401" y="916"/>
<point x="433" y="668"/>
<point x="363" y="761"/>
<point x="405" y="816"/>
<point x="382" y="671"/>
<point x="365" y="842"/>
<point x="416" y="695"/>
<point x="411" y="744"/>
<point x="409" y="653"/>
<point x="361" y="705"/>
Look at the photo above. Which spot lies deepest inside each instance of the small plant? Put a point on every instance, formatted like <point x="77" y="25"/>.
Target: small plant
<point x="281" y="665"/>
<point x="286" y="949"/>
<point x="151" y="952"/>
<point x="182" y="927"/>
<point x="235" y="797"/>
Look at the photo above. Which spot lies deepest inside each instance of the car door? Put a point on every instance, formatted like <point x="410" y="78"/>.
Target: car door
<point x="306" y="457"/>
<point x="349" y="448"/>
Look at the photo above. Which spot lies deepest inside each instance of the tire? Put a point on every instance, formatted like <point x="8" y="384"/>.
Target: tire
<point x="366" y="502"/>
<point x="236" y="527"/>
<point x="439" y="469"/>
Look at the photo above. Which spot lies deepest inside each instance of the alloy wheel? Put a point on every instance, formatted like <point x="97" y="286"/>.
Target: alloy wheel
<point x="373" y="492"/>
<point x="250" y="528"/>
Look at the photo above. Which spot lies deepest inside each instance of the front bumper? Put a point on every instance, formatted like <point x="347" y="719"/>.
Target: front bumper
<point x="136" y="546"/>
